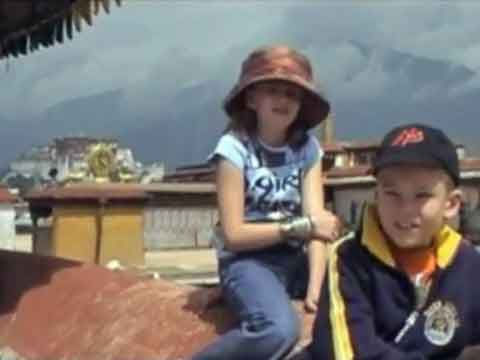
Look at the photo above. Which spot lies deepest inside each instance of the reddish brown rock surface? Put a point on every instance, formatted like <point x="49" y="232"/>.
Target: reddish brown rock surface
<point x="59" y="309"/>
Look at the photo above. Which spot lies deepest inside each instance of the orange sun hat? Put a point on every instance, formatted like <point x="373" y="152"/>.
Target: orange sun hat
<point x="280" y="62"/>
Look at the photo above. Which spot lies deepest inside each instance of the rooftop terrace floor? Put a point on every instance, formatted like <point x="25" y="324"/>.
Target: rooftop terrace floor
<point x="186" y="266"/>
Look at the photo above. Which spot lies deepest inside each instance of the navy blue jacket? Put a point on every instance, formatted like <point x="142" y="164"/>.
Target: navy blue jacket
<point x="369" y="310"/>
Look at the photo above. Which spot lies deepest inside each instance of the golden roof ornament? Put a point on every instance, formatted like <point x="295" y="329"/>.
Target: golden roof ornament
<point x="101" y="162"/>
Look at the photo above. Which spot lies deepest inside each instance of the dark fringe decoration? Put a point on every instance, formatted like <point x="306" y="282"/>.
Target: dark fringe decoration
<point x="49" y="29"/>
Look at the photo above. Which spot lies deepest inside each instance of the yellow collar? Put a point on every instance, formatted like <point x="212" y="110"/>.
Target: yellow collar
<point x="446" y="240"/>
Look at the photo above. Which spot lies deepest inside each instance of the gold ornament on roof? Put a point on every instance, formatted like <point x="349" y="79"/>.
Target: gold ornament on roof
<point x="101" y="162"/>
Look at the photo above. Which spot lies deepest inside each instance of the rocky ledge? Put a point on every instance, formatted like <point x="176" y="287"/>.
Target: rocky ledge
<point x="59" y="309"/>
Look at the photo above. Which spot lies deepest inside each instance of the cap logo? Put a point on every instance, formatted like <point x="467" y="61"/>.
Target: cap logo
<point x="408" y="136"/>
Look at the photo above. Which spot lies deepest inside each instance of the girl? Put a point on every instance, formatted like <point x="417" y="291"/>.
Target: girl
<point x="270" y="200"/>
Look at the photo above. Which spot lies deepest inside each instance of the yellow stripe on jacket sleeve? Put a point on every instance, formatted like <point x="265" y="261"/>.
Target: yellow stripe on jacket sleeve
<point x="340" y="335"/>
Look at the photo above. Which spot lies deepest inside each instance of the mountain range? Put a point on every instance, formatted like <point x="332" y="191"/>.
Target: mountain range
<point x="182" y="128"/>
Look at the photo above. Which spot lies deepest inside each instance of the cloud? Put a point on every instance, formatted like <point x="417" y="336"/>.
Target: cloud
<point x="447" y="32"/>
<point x="151" y="49"/>
<point x="147" y="48"/>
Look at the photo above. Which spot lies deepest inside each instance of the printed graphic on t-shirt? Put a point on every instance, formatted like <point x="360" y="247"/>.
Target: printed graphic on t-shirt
<point x="273" y="192"/>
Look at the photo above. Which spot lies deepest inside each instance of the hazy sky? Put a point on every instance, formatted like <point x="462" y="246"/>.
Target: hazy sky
<point x="151" y="48"/>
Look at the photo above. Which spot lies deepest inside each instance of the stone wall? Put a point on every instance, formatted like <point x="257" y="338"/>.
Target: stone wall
<point x="348" y="201"/>
<point x="7" y="227"/>
<point x="178" y="227"/>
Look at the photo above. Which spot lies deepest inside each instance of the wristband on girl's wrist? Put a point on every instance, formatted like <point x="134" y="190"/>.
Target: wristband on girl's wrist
<point x="296" y="228"/>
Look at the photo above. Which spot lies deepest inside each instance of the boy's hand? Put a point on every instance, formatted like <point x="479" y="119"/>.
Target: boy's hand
<point x="470" y="353"/>
<point x="326" y="226"/>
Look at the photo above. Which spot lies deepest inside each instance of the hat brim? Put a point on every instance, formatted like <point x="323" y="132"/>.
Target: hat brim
<point x="404" y="158"/>
<point x="315" y="108"/>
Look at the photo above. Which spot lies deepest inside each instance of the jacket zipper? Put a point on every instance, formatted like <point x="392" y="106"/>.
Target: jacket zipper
<point x="419" y="307"/>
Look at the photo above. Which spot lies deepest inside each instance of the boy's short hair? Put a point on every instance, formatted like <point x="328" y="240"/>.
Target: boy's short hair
<point x="418" y="144"/>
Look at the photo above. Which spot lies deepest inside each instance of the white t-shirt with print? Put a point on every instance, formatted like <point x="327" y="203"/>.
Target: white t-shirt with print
<point x="272" y="176"/>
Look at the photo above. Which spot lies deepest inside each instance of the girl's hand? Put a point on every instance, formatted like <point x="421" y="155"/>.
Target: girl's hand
<point x="311" y="300"/>
<point x="326" y="226"/>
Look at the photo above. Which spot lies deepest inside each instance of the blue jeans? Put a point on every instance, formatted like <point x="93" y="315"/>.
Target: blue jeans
<point x="257" y="287"/>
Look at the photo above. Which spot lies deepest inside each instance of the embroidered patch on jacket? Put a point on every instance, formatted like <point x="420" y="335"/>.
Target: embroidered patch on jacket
<point x="441" y="322"/>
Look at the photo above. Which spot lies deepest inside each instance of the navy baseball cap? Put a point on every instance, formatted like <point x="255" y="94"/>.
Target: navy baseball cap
<point x="418" y="144"/>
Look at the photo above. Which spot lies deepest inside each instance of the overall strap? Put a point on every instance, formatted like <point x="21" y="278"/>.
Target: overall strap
<point x="259" y="153"/>
<point x="252" y="145"/>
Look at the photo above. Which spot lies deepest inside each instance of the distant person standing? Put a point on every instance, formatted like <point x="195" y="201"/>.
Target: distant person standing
<point x="52" y="174"/>
<point x="271" y="207"/>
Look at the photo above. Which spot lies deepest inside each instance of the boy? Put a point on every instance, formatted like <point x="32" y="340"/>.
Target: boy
<point x="403" y="286"/>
